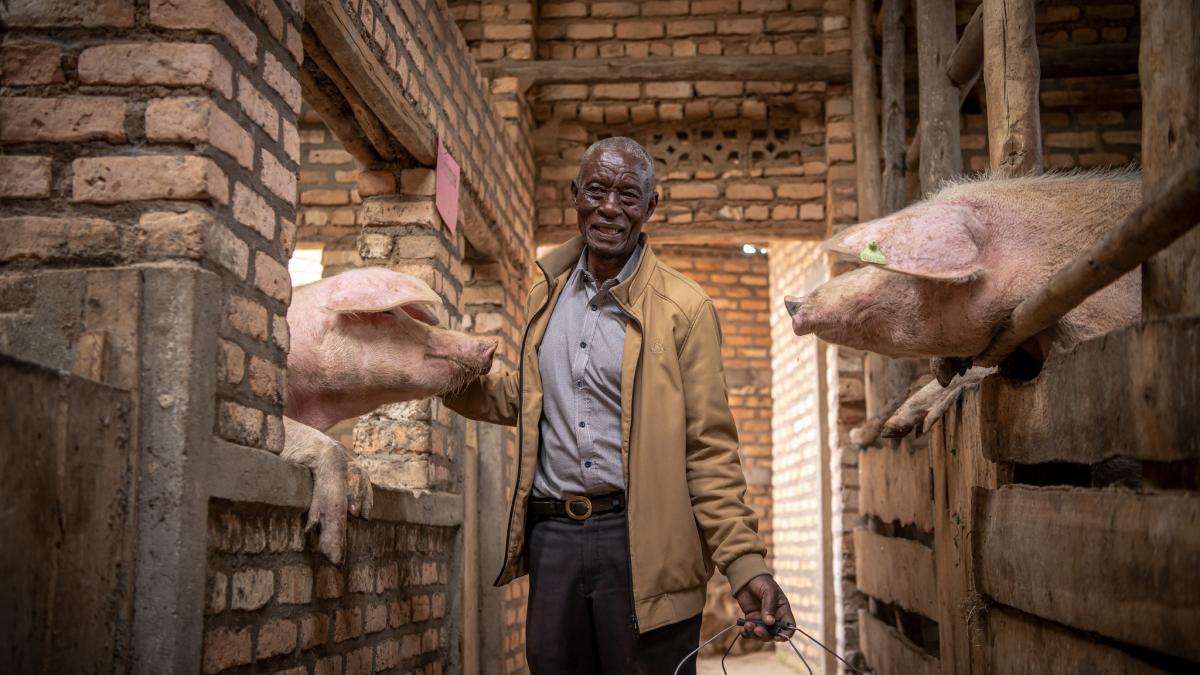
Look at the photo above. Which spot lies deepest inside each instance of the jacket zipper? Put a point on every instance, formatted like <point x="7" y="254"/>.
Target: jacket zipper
<point x="512" y="507"/>
<point x="629" y="479"/>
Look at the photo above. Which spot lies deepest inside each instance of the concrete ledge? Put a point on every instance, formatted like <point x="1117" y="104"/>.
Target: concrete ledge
<point x="241" y="474"/>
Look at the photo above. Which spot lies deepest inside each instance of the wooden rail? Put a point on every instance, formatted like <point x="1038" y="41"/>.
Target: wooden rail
<point x="671" y="69"/>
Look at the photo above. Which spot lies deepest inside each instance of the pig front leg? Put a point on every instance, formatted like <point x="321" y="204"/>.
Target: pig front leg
<point x="929" y="403"/>
<point x="340" y="485"/>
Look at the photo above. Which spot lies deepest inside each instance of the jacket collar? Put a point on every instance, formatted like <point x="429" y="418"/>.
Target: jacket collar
<point x="564" y="258"/>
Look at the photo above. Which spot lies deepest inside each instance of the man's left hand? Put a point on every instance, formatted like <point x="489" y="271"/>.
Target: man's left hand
<point x="763" y="600"/>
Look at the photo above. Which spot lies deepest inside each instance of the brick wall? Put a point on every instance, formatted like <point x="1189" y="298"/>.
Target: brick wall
<point x="273" y="603"/>
<point x="327" y="213"/>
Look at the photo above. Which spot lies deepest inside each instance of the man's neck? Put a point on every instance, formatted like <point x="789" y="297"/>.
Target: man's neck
<point x="603" y="269"/>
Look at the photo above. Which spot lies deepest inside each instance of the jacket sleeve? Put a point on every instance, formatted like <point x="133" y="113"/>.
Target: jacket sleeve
<point x="714" y="472"/>
<point x="494" y="398"/>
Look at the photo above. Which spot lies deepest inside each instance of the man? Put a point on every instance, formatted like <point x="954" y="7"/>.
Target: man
<point x="629" y="488"/>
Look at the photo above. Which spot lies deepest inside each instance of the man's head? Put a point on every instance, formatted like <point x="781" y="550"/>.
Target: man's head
<point x="614" y="196"/>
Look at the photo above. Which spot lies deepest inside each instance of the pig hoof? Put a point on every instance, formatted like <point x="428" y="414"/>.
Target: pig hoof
<point x="945" y="369"/>
<point x="359" y="494"/>
<point x="866" y="433"/>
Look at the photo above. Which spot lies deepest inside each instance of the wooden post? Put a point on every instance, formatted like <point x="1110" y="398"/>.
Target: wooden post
<point x="1012" y="75"/>
<point x="866" y="113"/>
<point x="941" y="156"/>
<point x="1169" y="66"/>
<point x="892" y="77"/>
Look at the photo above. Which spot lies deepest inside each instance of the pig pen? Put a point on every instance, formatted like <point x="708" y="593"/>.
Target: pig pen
<point x="1049" y="525"/>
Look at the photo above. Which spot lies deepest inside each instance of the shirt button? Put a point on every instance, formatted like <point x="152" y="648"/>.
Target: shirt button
<point x="579" y="383"/>
<point x="583" y="345"/>
<point x="593" y="308"/>
<point x="588" y="464"/>
<point x="582" y="425"/>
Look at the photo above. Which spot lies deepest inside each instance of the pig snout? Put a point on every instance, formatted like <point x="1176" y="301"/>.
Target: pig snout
<point x="486" y="352"/>
<point x="801" y="321"/>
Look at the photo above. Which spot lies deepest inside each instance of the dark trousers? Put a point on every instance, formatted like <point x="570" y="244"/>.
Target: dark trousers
<point x="580" y="618"/>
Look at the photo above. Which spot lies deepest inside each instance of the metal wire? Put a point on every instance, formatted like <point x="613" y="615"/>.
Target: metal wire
<point x="736" y="636"/>
<point x="741" y="622"/>
<point x="702" y="646"/>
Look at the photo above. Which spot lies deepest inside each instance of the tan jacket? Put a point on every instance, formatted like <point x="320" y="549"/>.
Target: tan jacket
<point x="679" y="444"/>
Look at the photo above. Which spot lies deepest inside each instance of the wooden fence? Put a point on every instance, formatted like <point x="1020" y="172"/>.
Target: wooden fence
<point x="1050" y="526"/>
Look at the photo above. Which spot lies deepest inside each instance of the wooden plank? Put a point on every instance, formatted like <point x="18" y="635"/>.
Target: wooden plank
<point x="896" y="485"/>
<point x="966" y="61"/>
<point x="1119" y="563"/>
<point x="1012" y="75"/>
<point x="866" y="112"/>
<point x="67" y="513"/>
<point x="1109" y="397"/>
<point x="941" y="156"/>
<point x="959" y="466"/>
<point x="670" y="68"/>
<point x="888" y="653"/>
<point x="340" y="34"/>
<point x="706" y="231"/>
<point x="899" y="571"/>
<point x="1020" y="644"/>
<point x="1170" y="69"/>
<point x="894" y="120"/>
<point x="337" y="116"/>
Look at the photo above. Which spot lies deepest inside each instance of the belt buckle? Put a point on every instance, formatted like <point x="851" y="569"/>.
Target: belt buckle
<point x="576" y="499"/>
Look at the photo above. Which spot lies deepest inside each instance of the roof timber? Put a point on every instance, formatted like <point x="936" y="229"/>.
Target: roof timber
<point x="670" y="68"/>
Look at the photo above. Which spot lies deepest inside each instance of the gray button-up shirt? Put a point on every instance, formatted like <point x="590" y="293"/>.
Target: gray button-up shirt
<point x="580" y="360"/>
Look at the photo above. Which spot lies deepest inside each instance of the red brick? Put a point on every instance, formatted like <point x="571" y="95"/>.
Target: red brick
<point x="560" y="10"/>
<point x="276" y="74"/>
<point x="314" y="630"/>
<point x="589" y="31"/>
<point x="811" y="190"/>
<point x="232" y="368"/>
<point x="694" y="191"/>
<point x="64" y="13"/>
<point x="664" y="7"/>
<point x="372" y="183"/>
<point x="749" y="191"/>
<point x="258" y="108"/>
<point x="247" y="317"/>
<point x="681" y="28"/>
<point x="639" y="30"/>
<point x="330" y="583"/>
<point x="30" y="63"/>
<point x="44" y="238"/>
<point x="325" y="197"/>
<point x="70" y="119"/>
<point x="176" y="235"/>
<point x="253" y="211"/>
<point x="328" y="156"/>
<point x="108" y="180"/>
<point x="278" y="178"/>
<point x="347" y="624"/>
<point x="291" y="140"/>
<point x="243" y="425"/>
<point x="627" y="91"/>
<point x="172" y="64"/>
<point x="507" y="31"/>
<point x="191" y="119"/>
<point x="225" y="648"/>
<point x="24" y="177"/>
<point x="275" y="638"/>
<point x="272" y="278"/>
<point x="206" y="15"/>
<point x="226" y="249"/>
<point x="270" y="15"/>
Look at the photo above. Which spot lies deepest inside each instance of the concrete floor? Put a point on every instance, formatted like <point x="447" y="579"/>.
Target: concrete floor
<point x="760" y="663"/>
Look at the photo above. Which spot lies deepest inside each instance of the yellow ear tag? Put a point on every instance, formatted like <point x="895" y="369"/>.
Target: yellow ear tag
<point x="872" y="254"/>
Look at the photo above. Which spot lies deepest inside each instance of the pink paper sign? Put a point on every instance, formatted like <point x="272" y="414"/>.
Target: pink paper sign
<point x="446" y="194"/>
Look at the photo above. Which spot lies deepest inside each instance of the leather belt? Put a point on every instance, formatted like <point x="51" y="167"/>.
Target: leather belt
<point x="578" y="507"/>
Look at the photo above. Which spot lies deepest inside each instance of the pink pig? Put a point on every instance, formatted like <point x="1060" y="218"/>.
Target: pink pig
<point x="944" y="275"/>
<point x="361" y="339"/>
<point x="955" y="265"/>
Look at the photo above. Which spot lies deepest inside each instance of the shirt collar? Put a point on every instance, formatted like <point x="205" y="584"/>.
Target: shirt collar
<point x="581" y="268"/>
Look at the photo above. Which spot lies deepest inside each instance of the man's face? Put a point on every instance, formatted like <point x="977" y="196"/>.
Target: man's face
<point x="613" y="200"/>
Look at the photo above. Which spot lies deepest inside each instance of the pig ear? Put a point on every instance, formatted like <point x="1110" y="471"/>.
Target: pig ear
<point x="366" y="290"/>
<point x="932" y="241"/>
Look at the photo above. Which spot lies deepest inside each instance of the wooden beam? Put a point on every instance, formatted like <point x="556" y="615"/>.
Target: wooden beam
<point x="739" y="231"/>
<point x="966" y="61"/>
<point x="896" y="485"/>
<point x="340" y="34"/>
<point x="331" y="107"/>
<point x="321" y="67"/>
<point x="1115" y="562"/>
<point x="866" y="112"/>
<point x="1012" y="75"/>
<point x="1021" y="643"/>
<point x="1121" y="403"/>
<point x="1148" y="230"/>
<point x="889" y="653"/>
<point x="670" y="68"/>
<point x="899" y="571"/>
<point x="892" y="79"/>
<point x="1170" y="69"/>
<point x="941" y="156"/>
